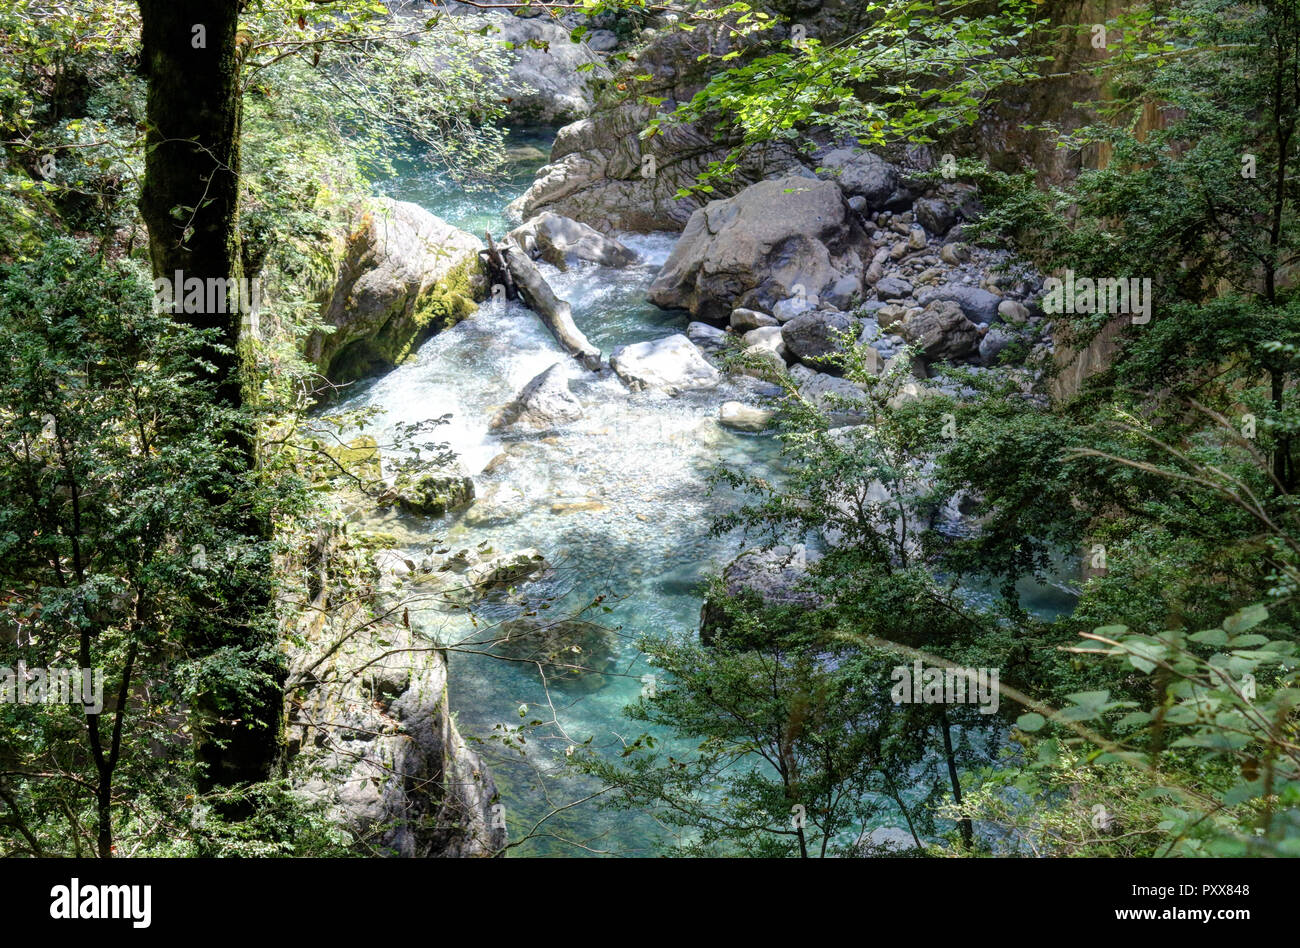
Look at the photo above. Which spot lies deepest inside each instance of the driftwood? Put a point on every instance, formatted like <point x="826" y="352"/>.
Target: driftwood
<point x="555" y="313"/>
<point x="497" y="269"/>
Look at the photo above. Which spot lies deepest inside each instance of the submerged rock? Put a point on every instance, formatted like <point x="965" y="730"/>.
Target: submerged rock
<point x="430" y="493"/>
<point x="393" y="564"/>
<point x="506" y="569"/>
<point x="497" y="504"/>
<point x="573" y="653"/>
<point x="544" y="402"/>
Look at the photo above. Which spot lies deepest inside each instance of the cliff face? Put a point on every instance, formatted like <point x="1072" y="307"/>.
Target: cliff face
<point x="1065" y="98"/>
<point x="1007" y="135"/>
<point x="370" y="732"/>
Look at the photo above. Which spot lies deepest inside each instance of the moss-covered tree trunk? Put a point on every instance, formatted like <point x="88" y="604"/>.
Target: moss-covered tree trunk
<point x="190" y="203"/>
<point x="190" y="199"/>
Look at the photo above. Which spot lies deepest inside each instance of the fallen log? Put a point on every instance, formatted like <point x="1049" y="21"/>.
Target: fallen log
<point x="555" y="312"/>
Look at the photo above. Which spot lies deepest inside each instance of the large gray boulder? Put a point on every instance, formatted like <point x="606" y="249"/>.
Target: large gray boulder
<point x="979" y="305"/>
<point x="544" y="402"/>
<point x="672" y="364"/>
<point x="942" y="331"/>
<point x="562" y="241"/>
<point x="405" y="275"/>
<point x="776" y="239"/>
<point x="861" y="174"/>
<point x="813" y="336"/>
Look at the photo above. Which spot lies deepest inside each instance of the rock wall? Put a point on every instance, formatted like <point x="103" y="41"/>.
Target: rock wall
<point x="370" y="733"/>
<point x="546" y="85"/>
<point x="604" y="174"/>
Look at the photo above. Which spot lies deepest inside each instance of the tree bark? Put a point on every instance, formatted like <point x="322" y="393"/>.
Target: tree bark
<point x="190" y="203"/>
<point x="190" y="198"/>
<point x="967" y="828"/>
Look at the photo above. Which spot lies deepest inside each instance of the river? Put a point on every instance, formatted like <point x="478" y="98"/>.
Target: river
<point x="619" y="501"/>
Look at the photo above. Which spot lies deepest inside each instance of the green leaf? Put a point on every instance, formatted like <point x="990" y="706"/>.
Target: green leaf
<point x="1245" y="619"/>
<point x="1211" y="637"/>
<point x="1031" y="722"/>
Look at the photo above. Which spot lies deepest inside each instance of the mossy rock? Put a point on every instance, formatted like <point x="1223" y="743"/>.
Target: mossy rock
<point x="405" y="276"/>
<point x="373" y="540"/>
<point x="432" y="494"/>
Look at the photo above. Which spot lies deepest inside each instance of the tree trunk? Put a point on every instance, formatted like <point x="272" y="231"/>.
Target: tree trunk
<point x="555" y="312"/>
<point x="190" y="203"/>
<point x="967" y="829"/>
<point x="190" y="198"/>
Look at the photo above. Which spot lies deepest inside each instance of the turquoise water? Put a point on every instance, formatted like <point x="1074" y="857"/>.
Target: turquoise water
<point x="483" y="207"/>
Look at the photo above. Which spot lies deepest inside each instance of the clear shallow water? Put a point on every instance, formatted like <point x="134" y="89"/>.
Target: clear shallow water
<point x="483" y="207"/>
